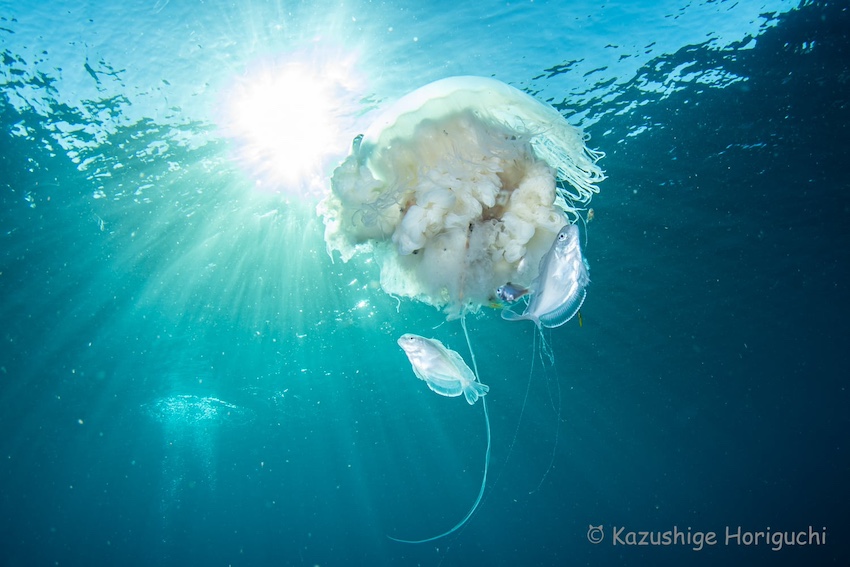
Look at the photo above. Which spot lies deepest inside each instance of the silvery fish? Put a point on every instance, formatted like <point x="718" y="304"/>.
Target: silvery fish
<point x="561" y="284"/>
<point x="510" y="292"/>
<point x="442" y="369"/>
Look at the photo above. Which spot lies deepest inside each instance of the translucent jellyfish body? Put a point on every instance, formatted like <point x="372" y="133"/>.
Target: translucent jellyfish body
<point x="457" y="188"/>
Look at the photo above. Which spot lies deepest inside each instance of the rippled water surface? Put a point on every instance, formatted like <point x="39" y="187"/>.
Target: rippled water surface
<point x="187" y="378"/>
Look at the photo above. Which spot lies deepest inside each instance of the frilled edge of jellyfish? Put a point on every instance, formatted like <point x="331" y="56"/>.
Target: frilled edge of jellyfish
<point x="460" y="187"/>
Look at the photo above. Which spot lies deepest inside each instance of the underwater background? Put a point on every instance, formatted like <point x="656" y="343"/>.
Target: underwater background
<point x="187" y="378"/>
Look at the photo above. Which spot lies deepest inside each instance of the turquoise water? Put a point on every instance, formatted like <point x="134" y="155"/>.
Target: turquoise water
<point x="188" y="379"/>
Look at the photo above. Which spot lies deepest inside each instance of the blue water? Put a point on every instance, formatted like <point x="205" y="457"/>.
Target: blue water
<point x="186" y="378"/>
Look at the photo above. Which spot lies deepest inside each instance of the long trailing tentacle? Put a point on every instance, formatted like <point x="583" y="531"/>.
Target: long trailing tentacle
<point x="556" y="409"/>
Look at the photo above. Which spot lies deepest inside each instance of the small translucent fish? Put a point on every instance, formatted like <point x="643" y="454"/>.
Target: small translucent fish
<point x="442" y="369"/>
<point x="561" y="284"/>
<point x="510" y="292"/>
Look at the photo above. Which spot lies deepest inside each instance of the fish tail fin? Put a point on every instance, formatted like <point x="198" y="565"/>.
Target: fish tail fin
<point x="475" y="390"/>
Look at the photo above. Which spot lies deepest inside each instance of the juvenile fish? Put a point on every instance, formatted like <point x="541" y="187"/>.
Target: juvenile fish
<point x="510" y="292"/>
<point x="442" y="369"/>
<point x="561" y="284"/>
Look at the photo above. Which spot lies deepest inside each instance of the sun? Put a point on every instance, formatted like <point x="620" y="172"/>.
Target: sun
<point x="290" y="121"/>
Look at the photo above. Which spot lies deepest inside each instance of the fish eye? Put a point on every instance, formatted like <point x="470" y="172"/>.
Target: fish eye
<point x="562" y="236"/>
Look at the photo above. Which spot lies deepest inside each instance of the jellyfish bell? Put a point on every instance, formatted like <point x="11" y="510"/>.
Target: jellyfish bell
<point x="457" y="188"/>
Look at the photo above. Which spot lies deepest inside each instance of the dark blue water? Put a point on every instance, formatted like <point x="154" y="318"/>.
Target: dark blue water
<point x="187" y="379"/>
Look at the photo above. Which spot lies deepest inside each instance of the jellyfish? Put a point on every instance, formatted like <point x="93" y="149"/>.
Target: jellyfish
<point x="458" y="188"/>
